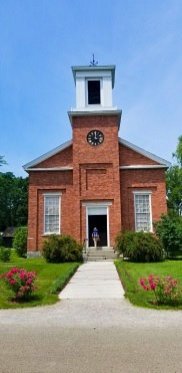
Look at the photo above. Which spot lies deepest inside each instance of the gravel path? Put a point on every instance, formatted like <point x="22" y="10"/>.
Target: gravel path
<point x="91" y="313"/>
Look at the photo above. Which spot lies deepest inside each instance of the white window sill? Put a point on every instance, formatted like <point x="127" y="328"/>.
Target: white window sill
<point x="50" y="233"/>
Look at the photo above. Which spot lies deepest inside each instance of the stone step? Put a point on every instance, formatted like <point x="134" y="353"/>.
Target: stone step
<point x="100" y="254"/>
<point x="98" y="259"/>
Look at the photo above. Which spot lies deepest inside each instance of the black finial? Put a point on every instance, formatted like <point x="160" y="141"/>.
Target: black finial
<point x="93" y="62"/>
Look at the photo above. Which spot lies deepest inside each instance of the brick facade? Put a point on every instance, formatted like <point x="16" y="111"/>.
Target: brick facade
<point x="96" y="177"/>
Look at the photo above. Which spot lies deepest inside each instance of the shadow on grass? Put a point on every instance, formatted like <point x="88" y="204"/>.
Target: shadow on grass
<point x="26" y="300"/>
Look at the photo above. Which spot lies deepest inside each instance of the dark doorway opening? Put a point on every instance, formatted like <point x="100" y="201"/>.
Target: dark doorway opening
<point x="100" y="222"/>
<point x="93" y="92"/>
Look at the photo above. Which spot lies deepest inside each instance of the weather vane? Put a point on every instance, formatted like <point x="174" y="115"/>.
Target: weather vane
<point x="93" y="62"/>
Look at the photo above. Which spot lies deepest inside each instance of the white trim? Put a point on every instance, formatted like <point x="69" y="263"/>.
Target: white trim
<point x="50" y="169"/>
<point x="149" y="193"/>
<point x="47" y="155"/>
<point x="87" y="232"/>
<point x="100" y="111"/>
<point x="108" y="230"/>
<point x="142" y="191"/>
<point x="70" y="168"/>
<point x="96" y="205"/>
<point x="144" y="152"/>
<point x="142" y="166"/>
<point x="52" y="194"/>
<point x="110" y="111"/>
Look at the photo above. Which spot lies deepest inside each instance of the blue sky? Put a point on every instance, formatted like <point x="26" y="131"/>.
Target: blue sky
<point x="41" y="39"/>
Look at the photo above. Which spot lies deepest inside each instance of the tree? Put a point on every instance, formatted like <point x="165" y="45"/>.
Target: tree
<point x="174" y="181"/>
<point x="13" y="200"/>
<point x="178" y="153"/>
<point x="2" y="160"/>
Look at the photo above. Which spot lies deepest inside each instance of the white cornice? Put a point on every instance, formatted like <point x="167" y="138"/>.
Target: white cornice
<point x="68" y="168"/>
<point x="100" y="112"/>
<point x="142" y="166"/>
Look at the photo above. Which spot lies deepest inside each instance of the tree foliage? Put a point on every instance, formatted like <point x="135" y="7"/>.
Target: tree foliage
<point x="169" y="231"/>
<point x="13" y="200"/>
<point x="178" y="153"/>
<point x="174" y="181"/>
<point x="2" y="160"/>
<point x="20" y="241"/>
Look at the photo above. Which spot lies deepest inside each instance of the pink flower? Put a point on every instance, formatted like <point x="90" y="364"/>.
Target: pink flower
<point x="143" y="283"/>
<point x="20" y="281"/>
<point x="165" y="288"/>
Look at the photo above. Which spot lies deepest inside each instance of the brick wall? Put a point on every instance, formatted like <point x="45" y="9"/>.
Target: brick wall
<point x="40" y="183"/>
<point x="61" y="159"/>
<point x="128" y="157"/>
<point x="152" y="180"/>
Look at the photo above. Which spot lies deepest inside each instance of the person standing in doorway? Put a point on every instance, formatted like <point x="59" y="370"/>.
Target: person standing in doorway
<point x="95" y="236"/>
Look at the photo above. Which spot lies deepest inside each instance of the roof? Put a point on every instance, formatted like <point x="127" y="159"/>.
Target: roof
<point x="65" y="145"/>
<point x="9" y="232"/>
<point x="95" y="68"/>
<point x="144" y="152"/>
<point x="47" y="155"/>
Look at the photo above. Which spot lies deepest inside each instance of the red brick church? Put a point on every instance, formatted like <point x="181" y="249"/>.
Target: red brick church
<point x="96" y="179"/>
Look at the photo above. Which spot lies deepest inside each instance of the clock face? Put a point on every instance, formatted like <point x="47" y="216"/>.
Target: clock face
<point x="95" y="137"/>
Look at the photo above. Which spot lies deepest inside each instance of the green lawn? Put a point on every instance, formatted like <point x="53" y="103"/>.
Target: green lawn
<point x="51" y="278"/>
<point x="130" y="273"/>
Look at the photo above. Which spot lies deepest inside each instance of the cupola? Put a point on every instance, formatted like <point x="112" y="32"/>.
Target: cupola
<point x="94" y="86"/>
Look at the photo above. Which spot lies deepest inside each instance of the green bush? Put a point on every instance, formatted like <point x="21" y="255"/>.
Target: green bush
<point x="169" y="230"/>
<point x="5" y="254"/>
<point x="139" y="247"/>
<point x="20" y="241"/>
<point x="57" y="249"/>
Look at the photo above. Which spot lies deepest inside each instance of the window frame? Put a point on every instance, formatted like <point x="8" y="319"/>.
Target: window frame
<point x="51" y="194"/>
<point x="144" y="193"/>
<point x="89" y="80"/>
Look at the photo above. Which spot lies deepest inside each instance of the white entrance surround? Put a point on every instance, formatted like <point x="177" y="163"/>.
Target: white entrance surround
<point x="97" y="208"/>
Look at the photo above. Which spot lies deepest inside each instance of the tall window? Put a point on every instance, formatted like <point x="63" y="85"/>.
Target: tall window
<point x="93" y="92"/>
<point x="143" y="218"/>
<point x="51" y="213"/>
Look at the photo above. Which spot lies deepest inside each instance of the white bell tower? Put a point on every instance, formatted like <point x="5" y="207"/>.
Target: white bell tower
<point x="94" y="86"/>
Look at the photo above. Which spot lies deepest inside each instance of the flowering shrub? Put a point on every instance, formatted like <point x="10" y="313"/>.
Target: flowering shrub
<point x="166" y="288"/>
<point x="20" y="281"/>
